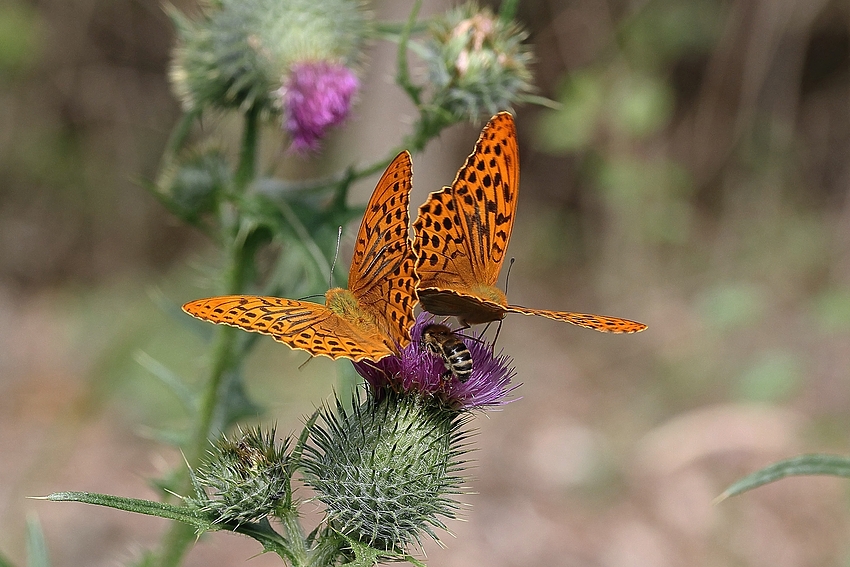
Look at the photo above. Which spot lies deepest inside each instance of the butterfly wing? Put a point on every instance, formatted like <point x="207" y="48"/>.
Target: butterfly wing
<point x="381" y="276"/>
<point x="300" y="324"/>
<point x="601" y="323"/>
<point x="462" y="232"/>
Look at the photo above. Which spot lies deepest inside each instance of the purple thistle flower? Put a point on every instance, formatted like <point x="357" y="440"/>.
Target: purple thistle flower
<point x="316" y="96"/>
<point x="418" y="369"/>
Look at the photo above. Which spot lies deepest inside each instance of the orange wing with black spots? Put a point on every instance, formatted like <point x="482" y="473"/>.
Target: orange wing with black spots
<point x="462" y="232"/>
<point x="382" y="276"/>
<point x="368" y="321"/>
<point x="300" y="324"/>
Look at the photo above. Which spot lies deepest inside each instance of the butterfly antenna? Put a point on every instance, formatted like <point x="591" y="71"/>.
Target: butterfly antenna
<point x="499" y="328"/>
<point x="336" y="255"/>
<point x="508" y="276"/>
<point x="303" y="364"/>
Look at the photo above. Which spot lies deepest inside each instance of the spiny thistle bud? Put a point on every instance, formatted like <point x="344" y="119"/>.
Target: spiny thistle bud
<point x="193" y="182"/>
<point x="477" y="63"/>
<point x="244" y="479"/>
<point x="386" y="468"/>
<point x="256" y="53"/>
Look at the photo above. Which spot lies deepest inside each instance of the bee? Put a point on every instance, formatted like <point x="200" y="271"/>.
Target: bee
<point x="440" y="340"/>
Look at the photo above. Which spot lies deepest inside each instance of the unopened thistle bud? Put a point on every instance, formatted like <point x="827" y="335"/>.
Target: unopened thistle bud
<point x="243" y="479"/>
<point x="193" y="182"/>
<point x="477" y="63"/>
<point x="387" y="469"/>
<point x="293" y="57"/>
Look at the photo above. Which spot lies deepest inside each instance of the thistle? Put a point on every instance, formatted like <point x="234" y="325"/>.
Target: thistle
<point x="477" y="63"/>
<point x="419" y="371"/>
<point x="244" y="479"/>
<point x="294" y="59"/>
<point x="386" y="469"/>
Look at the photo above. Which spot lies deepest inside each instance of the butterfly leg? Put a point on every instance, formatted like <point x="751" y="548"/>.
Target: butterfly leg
<point x="496" y="338"/>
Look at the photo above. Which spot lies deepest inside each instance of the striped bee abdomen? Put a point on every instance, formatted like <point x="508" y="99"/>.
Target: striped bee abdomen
<point x="457" y="359"/>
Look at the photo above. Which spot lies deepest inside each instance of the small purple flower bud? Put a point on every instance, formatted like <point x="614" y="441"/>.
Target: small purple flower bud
<point x="316" y="96"/>
<point x="420" y="370"/>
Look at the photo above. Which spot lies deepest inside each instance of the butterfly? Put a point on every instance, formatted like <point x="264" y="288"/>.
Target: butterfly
<point x="369" y="320"/>
<point x="462" y="233"/>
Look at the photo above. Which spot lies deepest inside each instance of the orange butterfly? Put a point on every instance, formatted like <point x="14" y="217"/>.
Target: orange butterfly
<point x="462" y="234"/>
<point x="369" y="320"/>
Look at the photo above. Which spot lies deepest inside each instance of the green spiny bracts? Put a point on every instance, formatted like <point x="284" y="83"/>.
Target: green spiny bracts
<point x="243" y="479"/>
<point x="477" y="63"/>
<point x="239" y="52"/>
<point x="386" y="470"/>
<point x="192" y="183"/>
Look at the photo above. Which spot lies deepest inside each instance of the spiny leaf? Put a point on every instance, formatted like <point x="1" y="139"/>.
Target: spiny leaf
<point x="803" y="465"/>
<point x="147" y="507"/>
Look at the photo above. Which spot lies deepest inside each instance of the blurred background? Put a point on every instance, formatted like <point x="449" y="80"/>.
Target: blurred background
<point x="695" y="178"/>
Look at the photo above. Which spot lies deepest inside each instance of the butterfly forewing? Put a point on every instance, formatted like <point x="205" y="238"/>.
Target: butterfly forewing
<point x="601" y="323"/>
<point x="462" y="231"/>
<point x="300" y="324"/>
<point x="381" y="275"/>
<point x="370" y="320"/>
<point x="485" y="192"/>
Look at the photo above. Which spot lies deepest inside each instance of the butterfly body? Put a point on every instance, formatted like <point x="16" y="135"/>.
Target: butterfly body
<point x="462" y="234"/>
<point x="368" y="321"/>
<point x="442" y="341"/>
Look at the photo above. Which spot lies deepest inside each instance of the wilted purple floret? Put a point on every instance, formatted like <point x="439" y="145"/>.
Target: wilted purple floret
<point x="316" y="96"/>
<point x="420" y="370"/>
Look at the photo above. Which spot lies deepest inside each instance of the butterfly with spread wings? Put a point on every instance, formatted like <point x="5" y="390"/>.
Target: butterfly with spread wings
<point x="368" y="321"/>
<point x="461" y="236"/>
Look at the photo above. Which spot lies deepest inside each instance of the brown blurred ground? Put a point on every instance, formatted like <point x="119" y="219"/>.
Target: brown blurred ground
<point x="619" y="444"/>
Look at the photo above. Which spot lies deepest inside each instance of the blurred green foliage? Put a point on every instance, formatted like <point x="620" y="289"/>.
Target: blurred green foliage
<point x="20" y="37"/>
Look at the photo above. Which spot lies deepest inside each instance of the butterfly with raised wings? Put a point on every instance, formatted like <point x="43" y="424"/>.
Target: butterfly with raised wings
<point x="461" y="236"/>
<point x="368" y="321"/>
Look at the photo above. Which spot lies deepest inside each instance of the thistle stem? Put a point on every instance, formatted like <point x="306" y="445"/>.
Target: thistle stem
<point x="224" y="355"/>
<point x="247" y="168"/>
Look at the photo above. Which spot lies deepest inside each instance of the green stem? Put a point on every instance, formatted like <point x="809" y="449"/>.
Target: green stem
<point x="224" y="356"/>
<point x="297" y="550"/>
<point x="403" y="74"/>
<point x="247" y="168"/>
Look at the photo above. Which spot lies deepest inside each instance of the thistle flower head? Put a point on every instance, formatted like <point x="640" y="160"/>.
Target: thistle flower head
<point x="386" y="469"/>
<point x="477" y="63"/>
<point x="316" y="96"/>
<point x="240" y="54"/>
<point x="243" y="479"/>
<point x="419" y="370"/>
